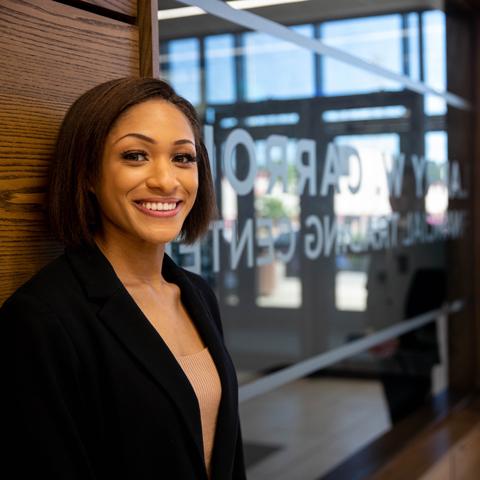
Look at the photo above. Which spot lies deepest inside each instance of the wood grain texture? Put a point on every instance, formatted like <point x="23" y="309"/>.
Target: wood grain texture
<point x="476" y="194"/>
<point x="51" y="53"/>
<point x="445" y="451"/>
<point x="465" y="458"/>
<point x="463" y="340"/>
<point x="442" y="448"/>
<point x="440" y="471"/>
<point x="126" y="7"/>
<point x="149" y="42"/>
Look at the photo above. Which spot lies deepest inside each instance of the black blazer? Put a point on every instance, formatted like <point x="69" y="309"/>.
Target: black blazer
<point x="95" y="391"/>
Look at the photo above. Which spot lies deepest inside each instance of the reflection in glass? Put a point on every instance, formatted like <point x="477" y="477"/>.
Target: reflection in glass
<point x="277" y="206"/>
<point x="373" y="151"/>
<point x="272" y="119"/>
<point x="436" y="198"/>
<point x="413" y="56"/>
<point x="434" y="52"/>
<point x="370" y="118"/>
<point x="355" y="210"/>
<point x="436" y="146"/>
<point x="308" y="277"/>
<point x="375" y="39"/>
<point x="367" y="113"/>
<point x="277" y="69"/>
<point x="351" y="290"/>
<point x="183" y="68"/>
<point x="273" y="215"/>
<point x="220" y="69"/>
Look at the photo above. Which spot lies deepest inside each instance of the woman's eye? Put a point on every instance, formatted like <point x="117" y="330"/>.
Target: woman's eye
<point x="135" y="156"/>
<point x="184" y="158"/>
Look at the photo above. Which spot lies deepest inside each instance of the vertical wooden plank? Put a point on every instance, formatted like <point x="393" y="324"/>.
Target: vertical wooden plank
<point x="463" y="342"/>
<point x="51" y="53"/>
<point x="147" y="22"/>
<point x="476" y="193"/>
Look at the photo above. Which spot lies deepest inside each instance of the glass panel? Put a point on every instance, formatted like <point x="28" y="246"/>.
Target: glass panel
<point x="220" y="69"/>
<point x="183" y="69"/>
<point x="375" y="113"/>
<point x="277" y="69"/>
<point x="354" y="212"/>
<point x="436" y="198"/>
<point x="413" y="54"/>
<point x="434" y="53"/>
<point x="277" y="207"/>
<point x="377" y="40"/>
<point x="340" y="196"/>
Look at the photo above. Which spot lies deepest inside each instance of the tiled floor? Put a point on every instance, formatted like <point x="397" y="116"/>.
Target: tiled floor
<point x="316" y="423"/>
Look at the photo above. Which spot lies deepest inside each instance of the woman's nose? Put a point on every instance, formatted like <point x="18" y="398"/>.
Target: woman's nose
<point x="162" y="176"/>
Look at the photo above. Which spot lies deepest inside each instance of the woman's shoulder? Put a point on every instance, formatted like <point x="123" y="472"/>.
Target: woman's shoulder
<point x="45" y="286"/>
<point x="35" y="333"/>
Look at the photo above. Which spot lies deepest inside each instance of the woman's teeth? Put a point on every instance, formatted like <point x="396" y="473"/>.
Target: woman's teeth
<point x="158" y="206"/>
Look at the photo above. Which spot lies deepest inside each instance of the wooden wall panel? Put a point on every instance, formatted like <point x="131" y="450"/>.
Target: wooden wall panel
<point x="147" y="21"/>
<point x="463" y="342"/>
<point x="51" y="53"/>
<point x="441" y="471"/>
<point x="465" y="458"/>
<point x="447" y="450"/>
<point x="476" y="194"/>
<point x="126" y="7"/>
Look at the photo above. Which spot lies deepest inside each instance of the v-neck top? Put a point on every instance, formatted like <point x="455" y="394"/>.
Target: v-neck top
<point x="203" y="376"/>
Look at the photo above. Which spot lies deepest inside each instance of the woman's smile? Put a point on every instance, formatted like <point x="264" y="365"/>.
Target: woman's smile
<point x="161" y="208"/>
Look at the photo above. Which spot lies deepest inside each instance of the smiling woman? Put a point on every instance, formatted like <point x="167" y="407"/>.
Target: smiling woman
<point x="120" y="369"/>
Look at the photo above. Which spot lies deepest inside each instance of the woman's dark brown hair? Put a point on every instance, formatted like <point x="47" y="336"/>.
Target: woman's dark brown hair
<point x="73" y="211"/>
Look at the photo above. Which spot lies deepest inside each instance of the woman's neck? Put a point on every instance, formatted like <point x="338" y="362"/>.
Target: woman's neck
<point x="136" y="263"/>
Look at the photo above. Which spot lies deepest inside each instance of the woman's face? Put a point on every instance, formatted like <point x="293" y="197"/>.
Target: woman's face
<point x="149" y="177"/>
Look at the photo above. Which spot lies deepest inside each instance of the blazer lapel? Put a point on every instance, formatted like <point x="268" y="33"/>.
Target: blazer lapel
<point x="227" y="422"/>
<point x="128" y="324"/>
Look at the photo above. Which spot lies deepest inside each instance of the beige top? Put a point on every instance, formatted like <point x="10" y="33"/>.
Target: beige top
<point x="203" y="376"/>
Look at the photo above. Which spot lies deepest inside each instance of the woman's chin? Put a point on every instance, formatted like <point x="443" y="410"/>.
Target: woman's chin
<point x="160" y="238"/>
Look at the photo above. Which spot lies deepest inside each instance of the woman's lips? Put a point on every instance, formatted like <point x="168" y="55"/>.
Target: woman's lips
<point x="159" y="213"/>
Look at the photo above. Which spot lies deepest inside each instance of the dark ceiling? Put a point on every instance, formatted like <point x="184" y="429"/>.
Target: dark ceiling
<point x="291" y="13"/>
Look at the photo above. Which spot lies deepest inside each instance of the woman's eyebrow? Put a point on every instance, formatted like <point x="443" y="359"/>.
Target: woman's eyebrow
<point x="183" y="141"/>
<point x="148" y="139"/>
<point x="137" y="135"/>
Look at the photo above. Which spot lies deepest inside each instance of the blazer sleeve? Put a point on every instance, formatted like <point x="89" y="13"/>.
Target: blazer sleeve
<point x="41" y="372"/>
